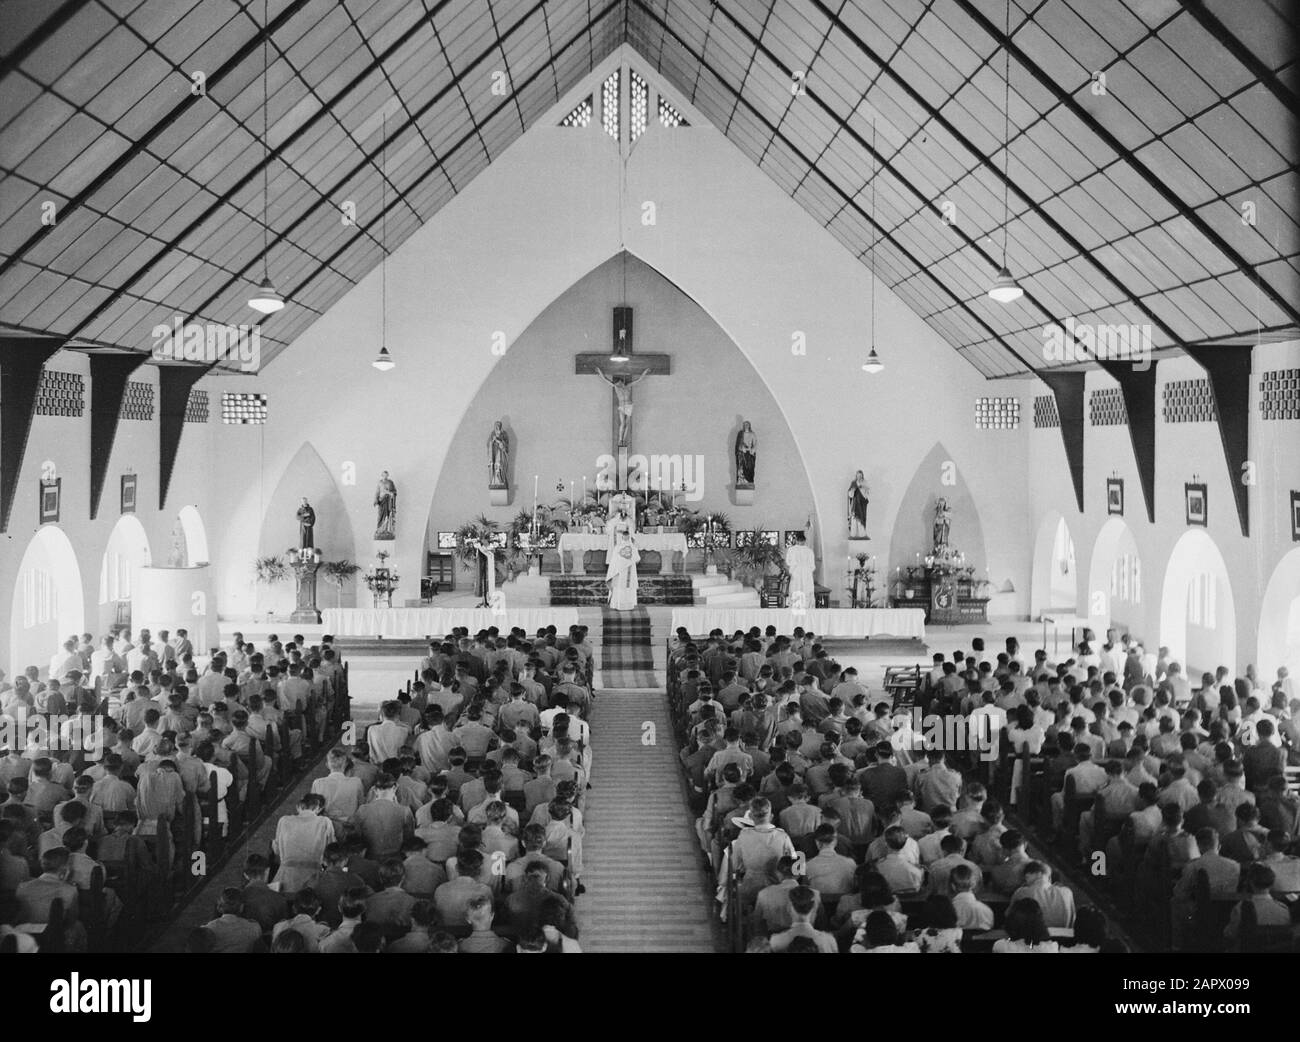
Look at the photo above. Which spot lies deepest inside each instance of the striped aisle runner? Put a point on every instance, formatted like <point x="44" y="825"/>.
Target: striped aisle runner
<point x="626" y="659"/>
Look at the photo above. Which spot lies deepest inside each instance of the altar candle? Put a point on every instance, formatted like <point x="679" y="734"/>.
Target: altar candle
<point x="584" y="488"/>
<point x="571" y="484"/>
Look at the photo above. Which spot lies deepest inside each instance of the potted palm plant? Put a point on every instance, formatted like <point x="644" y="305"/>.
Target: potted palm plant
<point x="754" y="557"/>
<point x="481" y="531"/>
<point x="337" y="573"/>
<point x="270" y="571"/>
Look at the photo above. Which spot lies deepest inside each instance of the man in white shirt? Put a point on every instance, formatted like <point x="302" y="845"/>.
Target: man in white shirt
<point x="387" y="739"/>
<point x="142" y="658"/>
<point x="1089" y="778"/>
<point x="1057" y="902"/>
<point x="1181" y="687"/>
<point x="108" y="664"/>
<point x="972" y="914"/>
<point x="65" y="660"/>
<point x="211" y="687"/>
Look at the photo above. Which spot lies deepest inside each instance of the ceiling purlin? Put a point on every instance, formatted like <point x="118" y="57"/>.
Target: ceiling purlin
<point x="137" y="147"/>
<point x="1127" y="156"/>
<point x="368" y="158"/>
<point x="251" y="175"/>
<point x="1261" y="72"/>
<point x="473" y="132"/>
<point x="848" y="200"/>
<point x="987" y="162"/>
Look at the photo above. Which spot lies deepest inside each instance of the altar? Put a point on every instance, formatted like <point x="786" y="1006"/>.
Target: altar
<point x="666" y="544"/>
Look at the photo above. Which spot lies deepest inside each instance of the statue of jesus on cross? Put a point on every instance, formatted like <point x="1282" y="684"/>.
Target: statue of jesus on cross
<point x="623" y="390"/>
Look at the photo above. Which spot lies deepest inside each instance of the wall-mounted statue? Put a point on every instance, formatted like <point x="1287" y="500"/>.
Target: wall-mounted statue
<point x="386" y="508"/>
<point x="858" y="507"/>
<point x="498" y="457"/>
<point x="746" y="455"/>
<point x="942" y="524"/>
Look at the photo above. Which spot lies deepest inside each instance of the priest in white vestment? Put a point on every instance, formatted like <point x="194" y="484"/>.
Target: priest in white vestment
<point x="801" y="562"/>
<point x="621" y="558"/>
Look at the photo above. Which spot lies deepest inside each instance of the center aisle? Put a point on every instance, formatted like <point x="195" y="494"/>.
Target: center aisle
<point x="646" y="888"/>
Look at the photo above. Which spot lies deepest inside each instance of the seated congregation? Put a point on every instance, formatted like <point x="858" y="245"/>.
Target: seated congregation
<point x="452" y="822"/>
<point x="937" y="814"/>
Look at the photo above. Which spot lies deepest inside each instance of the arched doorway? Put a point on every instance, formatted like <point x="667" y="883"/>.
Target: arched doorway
<point x="1198" y="621"/>
<point x="1055" y="584"/>
<point x="1279" y="621"/>
<point x="1114" y="594"/>
<point x="126" y="553"/>
<point x="48" y="604"/>
<point x="194" y="537"/>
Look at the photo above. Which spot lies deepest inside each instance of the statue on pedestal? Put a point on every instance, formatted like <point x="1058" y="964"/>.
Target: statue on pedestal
<point x="386" y="502"/>
<point x="306" y="523"/>
<point x="498" y="456"/>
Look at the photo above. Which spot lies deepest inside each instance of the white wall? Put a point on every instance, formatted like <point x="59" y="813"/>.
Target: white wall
<point x="535" y="222"/>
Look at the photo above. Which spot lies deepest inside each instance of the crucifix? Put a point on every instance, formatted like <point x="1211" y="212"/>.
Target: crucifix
<point x="621" y="369"/>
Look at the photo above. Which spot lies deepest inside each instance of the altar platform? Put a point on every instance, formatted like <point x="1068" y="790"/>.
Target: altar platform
<point x="907" y="623"/>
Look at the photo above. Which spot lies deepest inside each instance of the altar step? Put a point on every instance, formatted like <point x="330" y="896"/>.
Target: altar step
<point x="591" y="591"/>
<point x="717" y="591"/>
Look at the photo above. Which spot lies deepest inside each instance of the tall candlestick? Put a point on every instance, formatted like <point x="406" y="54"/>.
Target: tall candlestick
<point x="571" y="484"/>
<point x="584" y="488"/>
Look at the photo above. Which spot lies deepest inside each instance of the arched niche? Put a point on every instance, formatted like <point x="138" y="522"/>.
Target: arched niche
<point x="306" y="475"/>
<point x="48" y="603"/>
<point x="126" y="552"/>
<point x="194" y="536"/>
<point x="1114" y="595"/>
<point x="560" y="423"/>
<point x="1198" y="621"/>
<point x="913" y="535"/>
<point x="1279" y="621"/>
<point x="1055" y="575"/>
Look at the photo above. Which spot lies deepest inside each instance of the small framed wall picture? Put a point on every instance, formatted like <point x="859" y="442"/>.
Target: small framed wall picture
<point x="1295" y="516"/>
<point x="1115" y="496"/>
<point x="128" y="493"/>
<point x="446" y="540"/>
<point x="789" y="536"/>
<point x="51" y="496"/>
<point x="1197" y="510"/>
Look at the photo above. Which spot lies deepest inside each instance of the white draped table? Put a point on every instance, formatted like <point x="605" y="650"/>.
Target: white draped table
<point x="825" y="622"/>
<point x="665" y="544"/>
<point x="419" y="622"/>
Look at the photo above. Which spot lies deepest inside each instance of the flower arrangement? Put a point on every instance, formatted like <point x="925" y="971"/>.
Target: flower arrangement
<point x="381" y="580"/>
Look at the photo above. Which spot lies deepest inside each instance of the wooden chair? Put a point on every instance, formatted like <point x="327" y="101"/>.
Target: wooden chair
<point x="1265" y="939"/>
<point x="93" y="914"/>
<point x="769" y="595"/>
<point x="51" y="938"/>
<point x="1210" y="916"/>
<point x="903" y="685"/>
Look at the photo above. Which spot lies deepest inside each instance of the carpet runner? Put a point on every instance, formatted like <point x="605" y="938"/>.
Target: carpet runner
<point x="626" y="659"/>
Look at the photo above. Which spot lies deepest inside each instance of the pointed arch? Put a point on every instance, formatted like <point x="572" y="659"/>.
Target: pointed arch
<point x="1279" y="621"/>
<point x="307" y="476"/>
<point x="48" y="602"/>
<point x="1054" y="587"/>
<point x="912" y="537"/>
<point x="125" y="553"/>
<point x="1115" y="594"/>
<point x="1198" y="616"/>
<point x="195" y="535"/>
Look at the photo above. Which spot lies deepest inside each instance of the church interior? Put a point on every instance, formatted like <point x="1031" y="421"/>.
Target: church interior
<point x="875" y="604"/>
